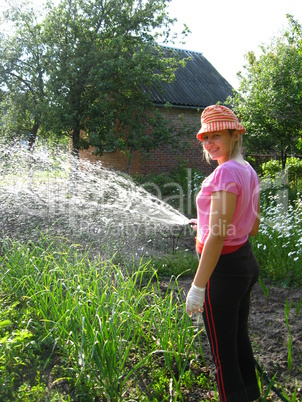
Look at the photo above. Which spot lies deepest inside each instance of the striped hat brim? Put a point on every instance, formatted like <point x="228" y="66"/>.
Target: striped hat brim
<point x="218" y="118"/>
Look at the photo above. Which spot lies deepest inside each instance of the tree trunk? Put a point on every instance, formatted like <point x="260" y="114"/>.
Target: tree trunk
<point x="33" y="136"/>
<point x="283" y="159"/>
<point x="283" y="192"/>
<point x="129" y="160"/>
<point x="75" y="151"/>
<point x="74" y="161"/>
<point x="31" y="145"/>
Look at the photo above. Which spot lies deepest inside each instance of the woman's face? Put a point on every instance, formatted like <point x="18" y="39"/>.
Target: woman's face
<point x="218" y="145"/>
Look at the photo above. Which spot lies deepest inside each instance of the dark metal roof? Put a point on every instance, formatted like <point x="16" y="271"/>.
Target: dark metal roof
<point x="196" y="85"/>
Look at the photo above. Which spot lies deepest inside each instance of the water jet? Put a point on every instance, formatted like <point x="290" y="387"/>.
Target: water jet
<point x="95" y="207"/>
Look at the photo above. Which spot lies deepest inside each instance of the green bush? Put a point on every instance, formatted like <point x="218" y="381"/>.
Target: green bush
<point x="271" y="169"/>
<point x="277" y="187"/>
<point x="293" y="171"/>
<point x="278" y="244"/>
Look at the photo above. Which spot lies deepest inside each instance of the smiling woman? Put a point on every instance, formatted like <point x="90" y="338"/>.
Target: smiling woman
<point x="220" y="134"/>
<point x="227" y="213"/>
<point x="218" y="147"/>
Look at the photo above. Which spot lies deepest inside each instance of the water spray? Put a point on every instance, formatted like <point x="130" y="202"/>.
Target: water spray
<point x="99" y="207"/>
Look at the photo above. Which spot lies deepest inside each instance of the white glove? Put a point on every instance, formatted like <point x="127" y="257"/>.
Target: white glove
<point x="195" y="299"/>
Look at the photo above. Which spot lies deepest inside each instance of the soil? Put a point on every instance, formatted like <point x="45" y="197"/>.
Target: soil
<point x="270" y="337"/>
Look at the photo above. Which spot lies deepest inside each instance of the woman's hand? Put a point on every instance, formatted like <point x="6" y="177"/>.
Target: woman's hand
<point x="193" y="223"/>
<point x="195" y="300"/>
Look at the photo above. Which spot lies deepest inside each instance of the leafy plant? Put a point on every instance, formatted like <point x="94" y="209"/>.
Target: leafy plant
<point x="106" y="323"/>
<point x="291" y="177"/>
<point x="264" y="288"/>
<point x="278" y="244"/>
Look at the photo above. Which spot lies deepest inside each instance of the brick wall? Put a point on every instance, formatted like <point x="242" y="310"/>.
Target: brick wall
<point x="163" y="159"/>
<point x="116" y="160"/>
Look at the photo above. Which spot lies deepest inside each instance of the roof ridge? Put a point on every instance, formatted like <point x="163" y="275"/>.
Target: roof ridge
<point x="196" y="85"/>
<point x="182" y="50"/>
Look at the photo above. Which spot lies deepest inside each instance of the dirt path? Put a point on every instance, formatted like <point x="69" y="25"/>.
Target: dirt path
<point x="270" y="336"/>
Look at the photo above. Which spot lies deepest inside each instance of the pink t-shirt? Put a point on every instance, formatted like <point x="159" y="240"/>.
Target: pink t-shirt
<point x="237" y="178"/>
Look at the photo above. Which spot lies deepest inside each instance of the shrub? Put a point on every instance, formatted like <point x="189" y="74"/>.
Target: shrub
<point x="293" y="171"/>
<point x="271" y="169"/>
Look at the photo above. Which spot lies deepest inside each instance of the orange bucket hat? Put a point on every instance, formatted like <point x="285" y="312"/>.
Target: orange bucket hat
<point x="217" y="118"/>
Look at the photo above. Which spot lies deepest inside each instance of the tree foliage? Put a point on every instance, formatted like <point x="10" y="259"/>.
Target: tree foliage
<point x="269" y="99"/>
<point x="22" y="74"/>
<point x="86" y="71"/>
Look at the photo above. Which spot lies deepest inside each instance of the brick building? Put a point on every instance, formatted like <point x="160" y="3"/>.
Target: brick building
<point x="196" y="86"/>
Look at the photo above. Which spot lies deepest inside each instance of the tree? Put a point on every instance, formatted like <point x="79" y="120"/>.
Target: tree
<point x="22" y="74"/>
<point x="104" y="60"/>
<point x="85" y="70"/>
<point x="269" y="99"/>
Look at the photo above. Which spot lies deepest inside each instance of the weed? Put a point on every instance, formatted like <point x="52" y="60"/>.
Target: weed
<point x="264" y="288"/>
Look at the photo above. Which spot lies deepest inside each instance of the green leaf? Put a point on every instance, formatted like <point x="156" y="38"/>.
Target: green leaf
<point x="5" y="323"/>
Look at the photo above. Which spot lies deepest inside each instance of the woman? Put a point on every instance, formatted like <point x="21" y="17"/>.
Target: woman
<point x="227" y="214"/>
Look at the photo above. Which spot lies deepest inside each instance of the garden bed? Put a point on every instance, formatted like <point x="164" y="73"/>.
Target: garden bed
<point x="269" y="336"/>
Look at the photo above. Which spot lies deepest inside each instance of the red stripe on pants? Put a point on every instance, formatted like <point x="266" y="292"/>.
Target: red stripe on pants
<point x="214" y="345"/>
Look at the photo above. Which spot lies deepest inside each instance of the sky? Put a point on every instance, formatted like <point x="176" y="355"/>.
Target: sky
<point x="225" y="30"/>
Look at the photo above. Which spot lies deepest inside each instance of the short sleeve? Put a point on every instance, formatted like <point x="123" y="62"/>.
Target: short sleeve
<point x="222" y="179"/>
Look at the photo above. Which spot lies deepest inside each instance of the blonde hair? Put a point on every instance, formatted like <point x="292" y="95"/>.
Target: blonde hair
<point x="236" y="146"/>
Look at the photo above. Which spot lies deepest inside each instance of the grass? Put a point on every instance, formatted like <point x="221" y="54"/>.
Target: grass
<point x="99" y="329"/>
<point x="79" y="329"/>
<point x="72" y="329"/>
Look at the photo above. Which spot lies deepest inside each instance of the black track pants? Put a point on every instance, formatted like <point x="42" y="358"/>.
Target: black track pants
<point x="225" y="316"/>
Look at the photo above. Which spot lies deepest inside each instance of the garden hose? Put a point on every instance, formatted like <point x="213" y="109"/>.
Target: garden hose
<point x="268" y="381"/>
